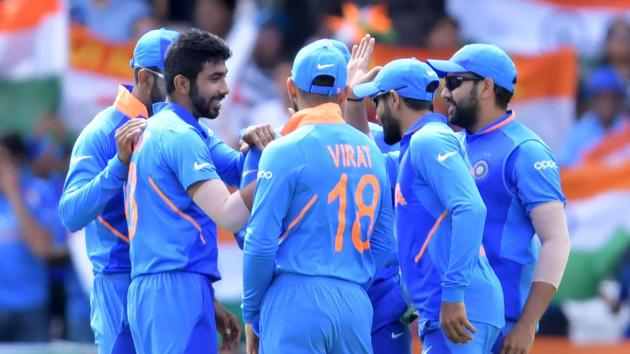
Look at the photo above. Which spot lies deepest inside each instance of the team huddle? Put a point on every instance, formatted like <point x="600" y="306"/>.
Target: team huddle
<point x="349" y="230"/>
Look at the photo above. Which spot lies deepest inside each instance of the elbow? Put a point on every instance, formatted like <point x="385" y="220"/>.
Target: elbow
<point x="70" y="223"/>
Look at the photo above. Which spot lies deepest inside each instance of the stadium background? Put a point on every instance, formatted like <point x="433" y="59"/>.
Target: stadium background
<point x="61" y="61"/>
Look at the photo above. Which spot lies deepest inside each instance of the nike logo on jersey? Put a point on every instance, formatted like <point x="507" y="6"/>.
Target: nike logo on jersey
<point x="77" y="159"/>
<point x="324" y="66"/>
<point x="200" y="166"/>
<point x="396" y="335"/>
<point x="248" y="172"/>
<point x="426" y="350"/>
<point x="443" y="157"/>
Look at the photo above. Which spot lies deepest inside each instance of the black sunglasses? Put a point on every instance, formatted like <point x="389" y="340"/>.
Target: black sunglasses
<point x="383" y="94"/>
<point x="453" y="82"/>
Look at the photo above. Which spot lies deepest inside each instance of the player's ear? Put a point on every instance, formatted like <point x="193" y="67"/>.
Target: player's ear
<point x="292" y="89"/>
<point x="145" y="78"/>
<point x="396" y="100"/>
<point x="182" y="84"/>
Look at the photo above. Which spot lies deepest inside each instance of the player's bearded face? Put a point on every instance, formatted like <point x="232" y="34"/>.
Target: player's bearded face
<point x="158" y="91"/>
<point x="391" y="127"/>
<point x="464" y="111"/>
<point x="205" y="105"/>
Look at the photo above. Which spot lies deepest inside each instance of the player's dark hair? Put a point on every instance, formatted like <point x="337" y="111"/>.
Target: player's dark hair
<point x="417" y="105"/>
<point x="190" y="51"/>
<point x="324" y="81"/>
<point x="137" y="70"/>
<point x="502" y="96"/>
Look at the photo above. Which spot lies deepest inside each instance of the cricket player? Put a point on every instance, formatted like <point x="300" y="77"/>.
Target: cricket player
<point x="518" y="178"/>
<point x="93" y="191"/>
<point x="324" y="190"/>
<point x="439" y="215"/>
<point x="173" y="199"/>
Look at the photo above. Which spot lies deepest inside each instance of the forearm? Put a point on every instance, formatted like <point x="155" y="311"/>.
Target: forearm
<point x="550" y="224"/>
<point x="466" y="239"/>
<point x="37" y="238"/>
<point x="355" y="114"/>
<point x="225" y="209"/>
<point x="539" y="298"/>
<point x="258" y="272"/>
<point x="85" y="198"/>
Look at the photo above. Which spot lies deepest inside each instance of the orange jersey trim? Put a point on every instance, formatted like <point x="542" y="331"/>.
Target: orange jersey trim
<point x="430" y="236"/>
<point x="176" y="209"/>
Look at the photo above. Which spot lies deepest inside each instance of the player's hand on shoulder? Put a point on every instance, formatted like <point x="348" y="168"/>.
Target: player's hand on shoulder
<point x="126" y="137"/>
<point x="455" y="323"/>
<point x="251" y="340"/>
<point x="257" y="135"/>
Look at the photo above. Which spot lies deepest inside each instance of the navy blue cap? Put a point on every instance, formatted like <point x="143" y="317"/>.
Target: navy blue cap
<point x="485" y="60"/>
<point x="322" y="57"/>
<point x="151" y="48"/>
<point x="409" y="77"/>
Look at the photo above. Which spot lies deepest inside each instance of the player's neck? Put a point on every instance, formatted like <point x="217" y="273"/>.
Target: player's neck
<point x="183" y="101"/>
<point x="410" y="117"/>
<point x="486" y="117"/>
<point x="142" y="97"/>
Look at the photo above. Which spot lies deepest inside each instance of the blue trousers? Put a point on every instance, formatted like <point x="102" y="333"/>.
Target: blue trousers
<point x="172" y="312"/>
<point x="108" y="314"/>
<point x="306" y="314"/>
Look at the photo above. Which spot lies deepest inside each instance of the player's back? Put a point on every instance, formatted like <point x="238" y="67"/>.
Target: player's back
<point x="337" y="197"/>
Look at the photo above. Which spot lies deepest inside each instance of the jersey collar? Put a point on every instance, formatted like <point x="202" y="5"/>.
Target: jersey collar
<point x="497" y="124"/>
<point x="127" y="104"/>
<point x="327" y="113"/>
<point x="421" y="122"/>
<point x="182" y="113"/>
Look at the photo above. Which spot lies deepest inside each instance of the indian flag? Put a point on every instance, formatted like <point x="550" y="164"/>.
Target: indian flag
<point x="544" y="98"/>
<point x="33" y="56"/>
<point x="96" y="68"/>
<point x="598" y="193"/>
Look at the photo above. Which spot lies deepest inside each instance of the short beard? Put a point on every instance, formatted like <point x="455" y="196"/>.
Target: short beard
<point x="391" y="127"/>
<point x="466" y="113"/>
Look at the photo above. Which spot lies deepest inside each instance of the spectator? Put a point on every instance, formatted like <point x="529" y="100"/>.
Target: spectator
<point x="113" y="20"/>
<point x="215" y="16"/>
<point x="606" y="92"/>
<point x="25" y="245"/>
<point x="443" y="35"/>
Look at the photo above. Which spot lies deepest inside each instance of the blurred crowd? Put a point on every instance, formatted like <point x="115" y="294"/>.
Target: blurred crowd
<point x="40" y="295"/>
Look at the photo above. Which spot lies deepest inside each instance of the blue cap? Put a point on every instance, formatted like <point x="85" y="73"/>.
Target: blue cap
<point x="605" y="79"/>
<point x="409" y="77"/>
<point x="485" y="60"/>
<point x="151" y="48"/>
<point x="341" y="46"/>
<point x="320" y="58"/>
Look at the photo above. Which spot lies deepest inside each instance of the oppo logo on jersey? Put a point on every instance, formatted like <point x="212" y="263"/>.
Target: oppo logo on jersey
<point x="545" y="165"/>
<point x="265" y="174"/>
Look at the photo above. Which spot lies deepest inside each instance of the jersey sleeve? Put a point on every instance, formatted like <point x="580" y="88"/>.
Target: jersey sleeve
<point x="382" y="239"/>
<point x="279" y="168"/>
<point x="188" y="157"/>
<point x="250" y="166"/>
<point x="440" y="160"/>
<point x="227" y="161"/>
<point x="532" y="173"/>
<point x="92" y="180"/>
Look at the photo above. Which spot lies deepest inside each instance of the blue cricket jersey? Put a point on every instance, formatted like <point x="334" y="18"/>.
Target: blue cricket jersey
<point x="324" y="191"/>
<point x="93" y="192"/>
<point x="168" y="231"/>
<point x="515" y="172"/>
<point x="439" y="226"/>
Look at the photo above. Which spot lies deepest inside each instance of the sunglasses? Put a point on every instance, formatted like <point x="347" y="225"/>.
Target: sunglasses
<point x="383" y="94"/>
<point x="453" y="82"/>
<point x="158" y="74"/>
